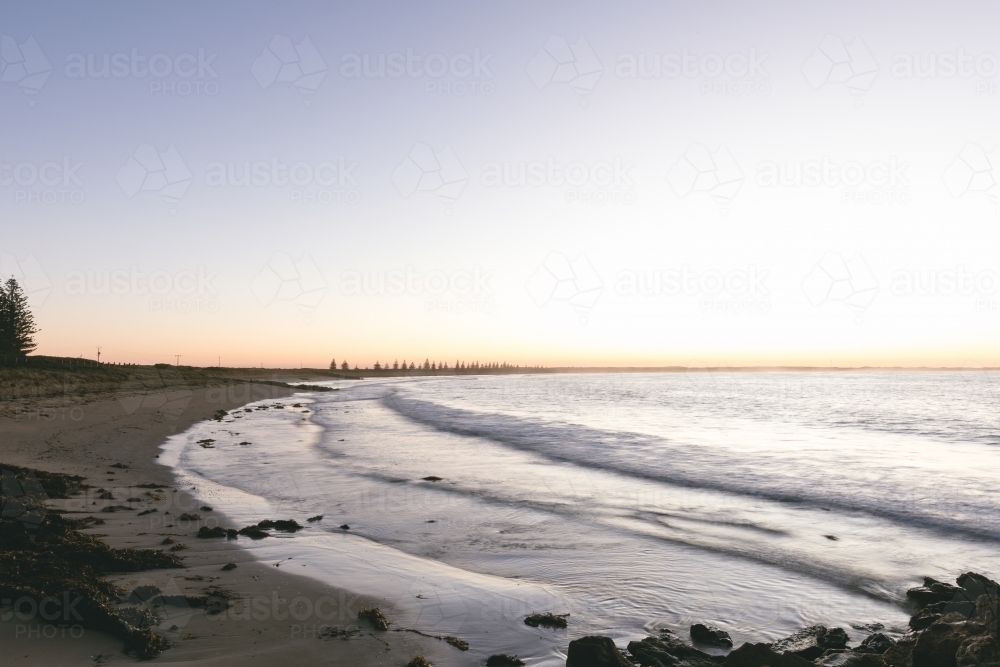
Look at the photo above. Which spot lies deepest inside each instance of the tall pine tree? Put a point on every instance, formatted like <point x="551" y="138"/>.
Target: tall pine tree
<point x="17" y="324"/>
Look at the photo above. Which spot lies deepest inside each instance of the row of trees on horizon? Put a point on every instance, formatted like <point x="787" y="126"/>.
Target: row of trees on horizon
<point x="432" y="366"/>
<point x="17" y="324"/>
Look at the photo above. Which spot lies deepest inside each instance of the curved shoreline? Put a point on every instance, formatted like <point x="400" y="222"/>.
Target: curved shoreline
<point x="106" y="433"/>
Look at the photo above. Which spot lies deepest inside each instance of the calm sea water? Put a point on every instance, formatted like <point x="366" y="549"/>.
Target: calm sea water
<point x="760" y="502"/>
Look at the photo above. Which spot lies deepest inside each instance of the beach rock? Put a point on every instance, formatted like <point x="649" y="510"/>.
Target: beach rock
<point x="595" y="651"/>
<point x="932" y="591"/>
<point x="205" y="532"/>
<point x="546" y="620"/>
<point x="811" y="642"/>
<point x="667" y="650"/>
<point x="419" y="661"/>
<point x="938" y="645"/>
<point x="761" y="655"/>
<point x="503" y="660"/>
<point x="228" y="566"/>
<point x="901" y="653"/>
<point x="848" y="658"/>
<point x="876" y="643"/>
<point x="312" y="519"/>
<point x="651" y="653"/>
<point x="711" y="635"/>
<point x="982" y="651"/>
<point x="284" y="525"/>
<point x="923" y="618"/>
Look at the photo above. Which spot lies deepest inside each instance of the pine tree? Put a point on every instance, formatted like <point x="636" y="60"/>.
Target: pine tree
<point x="17" y="324"/>
<point x="395" y="365"/>
<point x="333" y="364"/>
<point x="344" y="366"/>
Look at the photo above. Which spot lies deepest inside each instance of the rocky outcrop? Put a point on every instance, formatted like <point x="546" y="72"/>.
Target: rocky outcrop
<point x="875" y="643"/>
<point x="939" y="644"/>
<point x="762" y="655"/>
<point x="810" y="643"/>
<point x="848" y="658"/>
<point x="711" y="635"/>
<point x="595" y="651"/>
<point x="667" y="650"/>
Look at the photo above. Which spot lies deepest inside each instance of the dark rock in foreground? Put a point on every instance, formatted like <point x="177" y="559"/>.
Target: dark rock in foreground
<point x="667" y="650"/>
<point x="503" y="660"/>
<point x="875" y="643"/>
<point x="810" y="643"/>
<point x="940" y="644"/>
<point x="595" y="651"/>
<point x="711" y="635"/>
<point x="761" y="655"/>
<point x="848" y="658"/>
<point x="932" y="591"/>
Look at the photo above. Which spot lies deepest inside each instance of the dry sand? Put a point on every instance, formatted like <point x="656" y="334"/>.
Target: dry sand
<point x="87" y="438"/>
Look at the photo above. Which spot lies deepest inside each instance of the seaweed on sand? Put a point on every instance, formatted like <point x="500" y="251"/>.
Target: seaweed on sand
<point x="375" y="617"/>
<point x="67" y="566"/>
<point x="284" y="525"/>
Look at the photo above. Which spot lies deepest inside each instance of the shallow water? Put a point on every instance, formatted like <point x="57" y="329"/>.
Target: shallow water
<point x="760" y="502"/>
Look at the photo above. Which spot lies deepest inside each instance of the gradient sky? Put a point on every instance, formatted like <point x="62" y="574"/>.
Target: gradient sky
<point x="834" y="203"/>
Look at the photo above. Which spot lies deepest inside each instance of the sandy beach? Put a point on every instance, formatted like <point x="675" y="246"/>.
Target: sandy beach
<point x="113" y="443"/>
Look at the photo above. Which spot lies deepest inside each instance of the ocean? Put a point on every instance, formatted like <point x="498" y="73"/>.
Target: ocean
<point x="760" y="502"/>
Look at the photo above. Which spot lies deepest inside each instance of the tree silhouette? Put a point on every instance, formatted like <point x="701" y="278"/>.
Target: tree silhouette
<point x="345" y="367"/>
<point x="395" y="365"/>
<point x="333" y="364"/>
<point x="17" y="324"/>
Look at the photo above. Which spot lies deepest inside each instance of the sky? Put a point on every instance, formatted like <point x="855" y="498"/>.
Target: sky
<point x="589" y="184"/>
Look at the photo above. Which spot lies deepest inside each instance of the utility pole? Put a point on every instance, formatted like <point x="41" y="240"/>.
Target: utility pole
<point x="177" y="361"/>
<point x="98" y="355"/>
